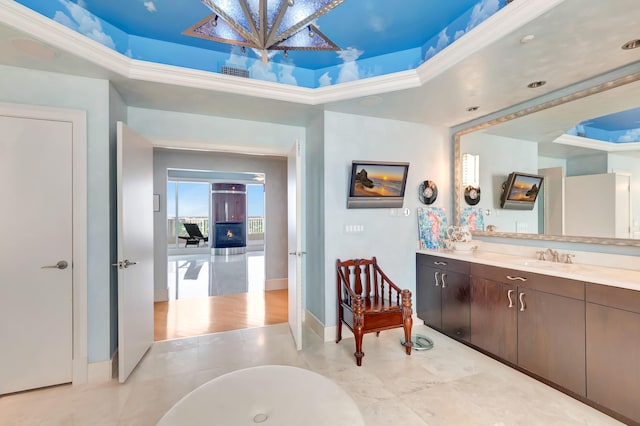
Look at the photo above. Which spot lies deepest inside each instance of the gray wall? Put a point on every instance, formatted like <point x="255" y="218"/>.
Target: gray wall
<point x="20" y="85"/>
<point x="313" y="293"/>
<point x="117" y="112"/>
<point x="275" y="170"/>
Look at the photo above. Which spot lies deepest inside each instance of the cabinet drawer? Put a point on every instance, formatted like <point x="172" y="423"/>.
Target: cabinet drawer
<point x="443" y="263"/>
<point x="547" y="283"/>
<point x="620" y="298"/>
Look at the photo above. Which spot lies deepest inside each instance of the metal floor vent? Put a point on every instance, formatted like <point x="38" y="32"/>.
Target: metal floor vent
<point x="238" y="72"/>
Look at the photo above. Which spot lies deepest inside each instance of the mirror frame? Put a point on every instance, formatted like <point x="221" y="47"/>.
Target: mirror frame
<point x="457" y="169"/>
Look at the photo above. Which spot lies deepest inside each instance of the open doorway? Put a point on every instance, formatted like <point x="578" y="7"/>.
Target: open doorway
<point x="208" y="291"/>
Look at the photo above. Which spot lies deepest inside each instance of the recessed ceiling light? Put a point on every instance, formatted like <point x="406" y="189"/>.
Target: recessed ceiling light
<point x="536" y="84"/>
<point x="526" y="39"/>
<point x="473" y="108"/>
<point x="633" y="44"/>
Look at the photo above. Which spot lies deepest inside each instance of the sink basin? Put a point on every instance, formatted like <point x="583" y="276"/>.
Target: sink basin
<point x="534" y="263"/>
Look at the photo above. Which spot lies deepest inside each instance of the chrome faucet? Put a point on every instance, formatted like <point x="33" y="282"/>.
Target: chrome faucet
<point x="553" y="254"/>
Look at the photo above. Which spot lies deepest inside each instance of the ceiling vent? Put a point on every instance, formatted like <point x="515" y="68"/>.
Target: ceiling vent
<point x="238" y="72"/>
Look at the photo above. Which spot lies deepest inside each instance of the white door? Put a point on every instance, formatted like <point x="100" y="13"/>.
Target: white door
<point x="135" y="249"/>
<point x="294" y="218"/>
<point x="36" y="253"/>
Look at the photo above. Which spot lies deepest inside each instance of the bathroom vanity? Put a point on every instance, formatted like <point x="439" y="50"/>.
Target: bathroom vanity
<point x="575" y="327"/>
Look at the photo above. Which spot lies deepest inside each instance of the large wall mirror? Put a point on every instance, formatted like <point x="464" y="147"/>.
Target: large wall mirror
<point x="586" y="145"/>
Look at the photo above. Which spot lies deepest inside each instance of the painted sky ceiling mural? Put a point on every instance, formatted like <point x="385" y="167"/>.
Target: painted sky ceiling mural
<point x="372" y="38"/>
<point x="620" y="127"/>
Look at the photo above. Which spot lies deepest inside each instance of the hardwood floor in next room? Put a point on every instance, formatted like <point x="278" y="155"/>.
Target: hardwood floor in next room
<point x="198" y="316"/>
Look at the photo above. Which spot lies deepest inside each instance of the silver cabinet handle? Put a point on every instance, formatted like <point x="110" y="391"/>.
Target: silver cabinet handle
<point x="62" y="264"/>
<point x="444" y="285"/>
<point x="522" y="305"/>
<point x="440" y="263"/>
<point x="509" y="293"/>
<point x="510" y="278"/>
<point x="436" y="275"/>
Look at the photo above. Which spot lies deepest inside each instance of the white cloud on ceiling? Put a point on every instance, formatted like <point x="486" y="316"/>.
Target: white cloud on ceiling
<point x="150" y="6"/>
<point x="262" y="71"/>
<point x="268" y="72"/>
<point x="443" y="41"/>
<point x="237" y="60"/>
<point x="349" y="70"/>
<point x="285" y="75"/>
<point x="83" y="22"/>
<point x="632" y="135"/>
<point x="324" y="80"/>
<point x="458" y="34"/>
<point x="482" y="11"/>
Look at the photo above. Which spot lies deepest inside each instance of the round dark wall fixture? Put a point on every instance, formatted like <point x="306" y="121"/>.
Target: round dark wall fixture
<point x="428" y="192"/>
<point x="472" y="195"/>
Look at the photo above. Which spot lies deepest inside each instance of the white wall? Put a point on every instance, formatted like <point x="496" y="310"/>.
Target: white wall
<point x="500" y="156"/>
<point x="20" y="85"/>
<point x="629" y="163"/>
<point x="392" y="239"/>
<point x="275" y="170"/>
<point x="214" y="133"/>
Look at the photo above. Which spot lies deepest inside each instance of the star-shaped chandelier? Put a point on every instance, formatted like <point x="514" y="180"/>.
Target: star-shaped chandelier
<point x="266" y="24"/>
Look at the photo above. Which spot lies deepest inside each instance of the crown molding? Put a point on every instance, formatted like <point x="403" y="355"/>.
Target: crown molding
<point x="599" y="145"/>
<point x="497" y="26"/>
<point x="57" y="35"/>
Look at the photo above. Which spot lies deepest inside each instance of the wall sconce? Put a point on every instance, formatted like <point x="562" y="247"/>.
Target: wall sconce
<point x="470" y="170"/>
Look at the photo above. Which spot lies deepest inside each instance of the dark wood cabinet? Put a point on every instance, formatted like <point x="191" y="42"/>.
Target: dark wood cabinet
<point x="535" y="321"/>
<point x="613" y="349"/>
<point x="583" y="338"/>
<point x="551" y="342"/>
<point x="494" y="325"/>
<point x="443" y="295"/>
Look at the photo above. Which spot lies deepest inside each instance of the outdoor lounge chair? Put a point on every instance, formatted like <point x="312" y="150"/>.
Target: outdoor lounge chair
<point x="195" y="235"/>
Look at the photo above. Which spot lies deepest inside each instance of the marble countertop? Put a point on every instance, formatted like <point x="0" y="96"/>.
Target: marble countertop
<point x="617" y="277"/>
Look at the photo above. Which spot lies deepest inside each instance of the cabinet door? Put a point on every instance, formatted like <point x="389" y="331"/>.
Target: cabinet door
<point x="613" y="354"/>
<point x="428" y="296"/>
<point x="494" y="318"/>
<point x="456" y="295"/>
<point x="551" y="338"/>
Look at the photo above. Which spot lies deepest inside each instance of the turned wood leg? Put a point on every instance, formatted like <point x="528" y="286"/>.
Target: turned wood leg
<point x="339" y="327"/>
<point x="358" y="323"/>
<point x="407" y="319"/>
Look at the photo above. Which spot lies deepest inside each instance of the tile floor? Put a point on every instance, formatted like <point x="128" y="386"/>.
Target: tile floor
<point x="450" y="384"/>
<point x="204" y="275"/>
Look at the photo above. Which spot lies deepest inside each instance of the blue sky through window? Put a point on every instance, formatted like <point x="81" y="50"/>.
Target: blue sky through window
<point x="193" y="199"/>
<point x="255" y="200"/>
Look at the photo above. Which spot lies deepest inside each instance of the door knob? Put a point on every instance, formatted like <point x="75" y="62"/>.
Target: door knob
<point x="62" y="264"/>
<point x="123" y="264"/>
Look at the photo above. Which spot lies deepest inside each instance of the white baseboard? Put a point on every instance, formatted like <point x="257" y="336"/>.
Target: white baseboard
<point x="313" y="323"/>
<point x="80" y="373"/>
<point x="98" y="372"/>
<point x="276" y="284"/>
<point x="160" y="294"/>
